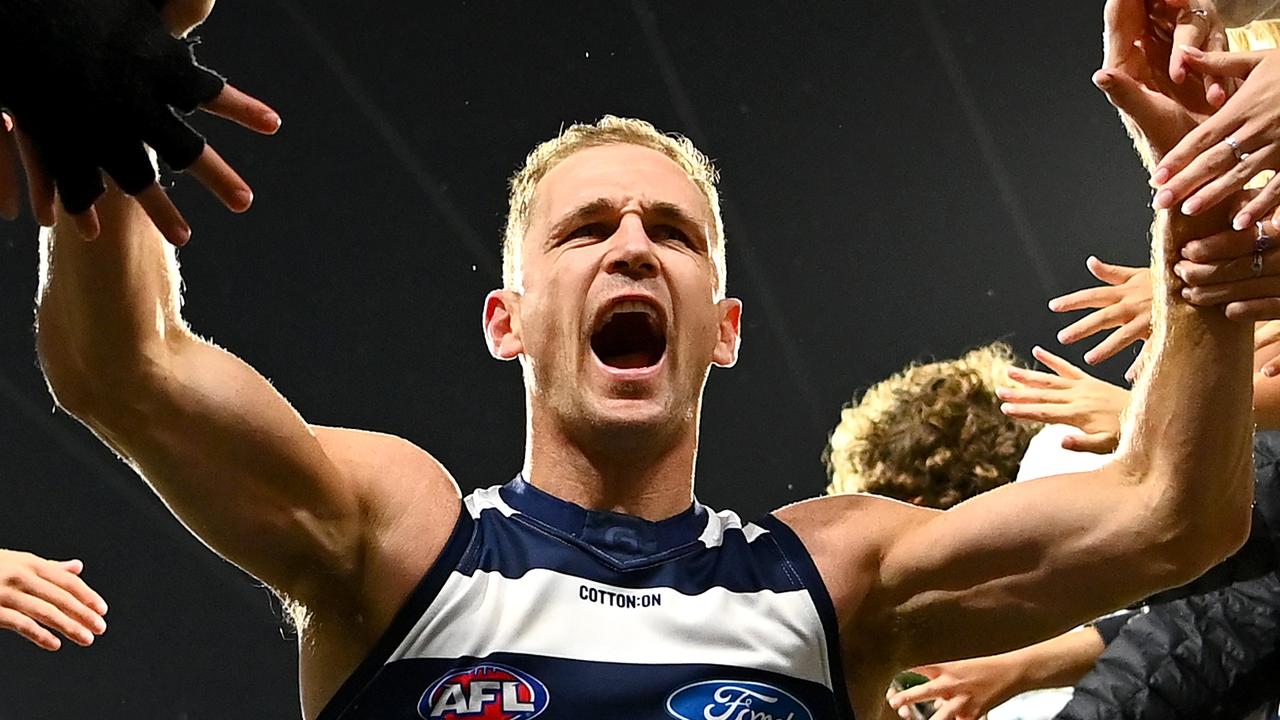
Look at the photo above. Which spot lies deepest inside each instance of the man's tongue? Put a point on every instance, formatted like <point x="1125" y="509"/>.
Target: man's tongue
<point x="628" y="361"/>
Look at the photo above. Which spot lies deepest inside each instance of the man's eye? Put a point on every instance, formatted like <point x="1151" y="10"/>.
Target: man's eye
<point x="590" y="230"/>
<point x="668" y="232"/>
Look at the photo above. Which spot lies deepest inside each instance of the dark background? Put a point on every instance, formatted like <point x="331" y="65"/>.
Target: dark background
<point x="901" y="180"/>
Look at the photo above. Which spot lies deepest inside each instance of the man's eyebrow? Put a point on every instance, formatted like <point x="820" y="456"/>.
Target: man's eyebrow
<point x="670" y="212"/>
<point x="659" y="211"/>
<point x="662" y="210"/>
<point x="585" y="211"/>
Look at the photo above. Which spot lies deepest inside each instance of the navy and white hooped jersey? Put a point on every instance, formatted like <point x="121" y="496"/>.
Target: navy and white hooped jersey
<point x="541" y="608"/>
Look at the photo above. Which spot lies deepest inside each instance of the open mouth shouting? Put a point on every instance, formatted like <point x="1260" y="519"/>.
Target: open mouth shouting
<point x="630" y="334"/>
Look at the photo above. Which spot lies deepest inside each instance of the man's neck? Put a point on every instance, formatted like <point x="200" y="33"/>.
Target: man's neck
<point x="653" y="484"/>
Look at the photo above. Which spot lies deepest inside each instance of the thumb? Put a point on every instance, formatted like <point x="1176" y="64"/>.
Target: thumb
<point x="1109" y="273"/>
<point x="1128" y="96"/>
<point x="1223" y="64"/>
<point x="1099" y="443"/>
<point x="931" y="690"/>
<point x="75" y="567"/>
<point x="1271" y="369"/>
<point x="1268" y="333"/>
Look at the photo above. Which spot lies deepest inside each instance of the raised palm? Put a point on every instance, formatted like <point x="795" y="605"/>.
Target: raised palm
<point x="180" y="16"/>
<point x="1135" y="76"/>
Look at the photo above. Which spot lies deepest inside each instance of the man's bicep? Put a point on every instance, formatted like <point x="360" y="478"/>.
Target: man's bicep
<point x="1015" y="566"/>
<point x="236" y="463"/>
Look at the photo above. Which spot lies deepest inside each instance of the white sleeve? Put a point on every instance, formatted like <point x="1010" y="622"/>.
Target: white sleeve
<point x="1045" y="455"/>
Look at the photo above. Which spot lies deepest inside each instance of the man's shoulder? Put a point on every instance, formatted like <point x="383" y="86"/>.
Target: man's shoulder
<point x="409" y="506"/>
<point x="847" y="535"/>
<point x="838" y="518"/>
<point x="388" y="468"/>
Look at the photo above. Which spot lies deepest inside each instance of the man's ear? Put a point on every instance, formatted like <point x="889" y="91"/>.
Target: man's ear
<point x="502" y="324"/>
<point x="730" y="336"/>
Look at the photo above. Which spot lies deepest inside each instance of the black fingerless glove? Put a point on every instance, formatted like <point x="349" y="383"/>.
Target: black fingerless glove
<point x="91" y="81"/>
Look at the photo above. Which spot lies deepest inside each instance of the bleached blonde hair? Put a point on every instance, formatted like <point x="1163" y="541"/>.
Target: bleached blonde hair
<point x="931" y="434"/>
<point x="608" y="130"/>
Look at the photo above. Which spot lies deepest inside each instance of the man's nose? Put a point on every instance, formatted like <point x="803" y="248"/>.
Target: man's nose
<point x="631" y="251"/>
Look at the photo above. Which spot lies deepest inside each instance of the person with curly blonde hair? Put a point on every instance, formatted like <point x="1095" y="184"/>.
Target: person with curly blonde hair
<point x="931" y="434"/>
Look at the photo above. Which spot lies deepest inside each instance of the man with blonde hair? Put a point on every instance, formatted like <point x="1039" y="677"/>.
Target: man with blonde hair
<point x="593" y="585"/>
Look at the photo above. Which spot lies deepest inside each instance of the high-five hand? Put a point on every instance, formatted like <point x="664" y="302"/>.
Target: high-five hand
<point x="97" y="108"/>
<point x="38" y="595"/>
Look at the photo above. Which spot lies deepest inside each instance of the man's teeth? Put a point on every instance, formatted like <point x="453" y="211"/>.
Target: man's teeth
<point x="627" y="306"/>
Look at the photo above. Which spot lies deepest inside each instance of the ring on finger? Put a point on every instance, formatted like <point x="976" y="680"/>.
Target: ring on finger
<point x="1234" y="144"/>
<point x="1260" y="245"/>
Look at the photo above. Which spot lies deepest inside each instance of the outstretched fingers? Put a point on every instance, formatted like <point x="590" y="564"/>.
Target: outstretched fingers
<point x="1057" y="364"/>
<point x="1257" y="207"/>
<point x="950" y="710"/>
<point x="155" y="201"/>
<point x="67" y="576"/>
<point x="40" y="190"/>
<point x="1098" y="443"/>
<point x="1146" y="109"/>
<point x="1234" y="270"/>
<point x="1266" y="334"/>
<point x="1036" y="379"/>
<point x="1135" y="329"/>
<point x="10" y="194"/>
<point x="1111" y="273"/>
<point x="1108" y="317"/>
<point x="245" y="110"/>
<point x="1215" y="182"/>
<point x="1032" y="395"/>
<point x="1223" y="64"/>
<point x="1254" y="310"/>
<point x="1088" y="298"/>
<point x="1219" y="247"/>
<point x="35" y="607"/>
<point x="223" y="181"/>
<point x="1190" y="34"/>
<point x="933" y="690"/>
<point x="30" y="629"/>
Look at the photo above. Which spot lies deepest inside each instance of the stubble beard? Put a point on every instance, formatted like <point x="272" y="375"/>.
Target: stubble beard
<point x="600" y="431"/>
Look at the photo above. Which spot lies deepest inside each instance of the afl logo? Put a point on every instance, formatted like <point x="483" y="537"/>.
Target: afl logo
<point x="735" y="700"/>
<point x="484" y="692"/>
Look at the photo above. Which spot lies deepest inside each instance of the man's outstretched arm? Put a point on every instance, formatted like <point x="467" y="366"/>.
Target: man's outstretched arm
<point x="1020" y="563"/>
<point x="1015" y="565"/>
<point x="295" y="506"/>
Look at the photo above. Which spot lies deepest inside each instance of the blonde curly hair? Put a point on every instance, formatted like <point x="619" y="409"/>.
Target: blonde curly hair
<point x="931" y="434"/>
<point x="608" y="130"/>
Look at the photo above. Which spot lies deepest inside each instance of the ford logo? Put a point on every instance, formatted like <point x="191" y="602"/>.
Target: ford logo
<point x="735" y="700"/>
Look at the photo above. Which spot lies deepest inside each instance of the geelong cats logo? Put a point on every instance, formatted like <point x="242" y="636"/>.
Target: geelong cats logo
<point x="735" y="700"/>
<point x="489" y="691"/>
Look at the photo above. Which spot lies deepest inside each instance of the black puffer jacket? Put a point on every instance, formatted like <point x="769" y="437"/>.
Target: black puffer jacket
<point x="1210" y="649"/>
<point x="1209" y="656"/>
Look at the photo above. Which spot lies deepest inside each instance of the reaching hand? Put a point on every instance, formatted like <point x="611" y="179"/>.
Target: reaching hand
<point x="1228" y="269"/>
<point x="1267" y="335"/>
<point x="98" y="108"/>
<point x="1195" y="25"/>
<point x="1241" y="140"/>
<point x="36" y="594"/>
<point x="1066" y="396"/>
<point x="182" y="16"/>
<point x="1124" y="302"/>
<point x="963" y="690"/>
<point x="1136" y="78"/>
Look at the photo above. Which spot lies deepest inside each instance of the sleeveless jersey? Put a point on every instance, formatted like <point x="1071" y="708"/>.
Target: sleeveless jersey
<point x="540" y="608"/>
